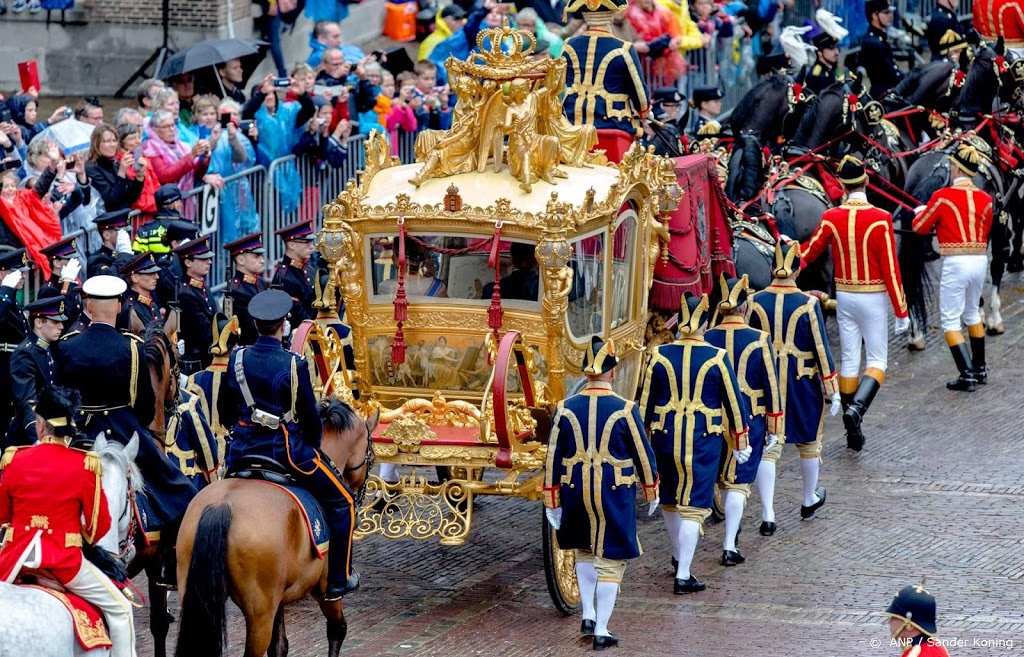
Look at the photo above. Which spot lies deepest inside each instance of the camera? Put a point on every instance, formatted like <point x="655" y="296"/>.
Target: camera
<point x="68" y="113"/>
<point x="225" y="120"/>
<point x="282" y="83"/>
<point x="245" y="126"/>
<point x="5" y="114"/>
<point x="137" y="153"/>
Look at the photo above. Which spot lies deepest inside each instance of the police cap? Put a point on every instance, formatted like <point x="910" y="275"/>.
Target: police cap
<point x="270" y="306"/>
<point x="824" y="40"/>
<point x="181" y="230"/>
<point x="63" y="249"/>
<point x="300" y="231"/>
<point x="49" y="307"/>
<point x="115" y="219"/>
<point x="166" y="195"/>
<point x="16" y="259"/>
<point x="143" y="264"/>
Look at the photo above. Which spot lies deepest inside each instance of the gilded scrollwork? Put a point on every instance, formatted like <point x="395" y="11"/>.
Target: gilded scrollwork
<point x="414" y="508"/>
<point x="436" y="412"/>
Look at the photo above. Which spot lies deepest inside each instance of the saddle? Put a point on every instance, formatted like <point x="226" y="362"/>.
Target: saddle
<point x="261" y="468"/>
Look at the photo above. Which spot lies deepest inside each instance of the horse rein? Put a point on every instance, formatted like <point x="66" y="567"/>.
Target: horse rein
<point x="367" y="462"/>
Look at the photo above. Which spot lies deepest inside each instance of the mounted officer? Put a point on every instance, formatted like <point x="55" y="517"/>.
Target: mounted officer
<point x="64" y="270"/>
<point x="61" y="517"/>
<point x="13" y="327"/>
<point x="876" y="55"/>
<point x="113" y="230"/>
<point x="197" y="309"/>
<point x="943" y="20"/>
<point x="31" y="370"/>
<point x="294" y="274"/>
<point x="912" y="622"/>
<point x="707" y="103"/>
<point x="598" y="453"/>
<point x="823" y="74"/>
<point x="141" y="274"/>
<point x="267" y="399"/>
<point x="247" y="281"/>
<point x="691" y="403"/>
<point x="109" y="369"/>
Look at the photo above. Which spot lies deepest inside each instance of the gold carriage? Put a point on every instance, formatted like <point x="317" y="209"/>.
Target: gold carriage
<point x="467" y="378"/>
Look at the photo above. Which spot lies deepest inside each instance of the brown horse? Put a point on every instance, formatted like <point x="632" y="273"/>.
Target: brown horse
<point x="247" y="540"/>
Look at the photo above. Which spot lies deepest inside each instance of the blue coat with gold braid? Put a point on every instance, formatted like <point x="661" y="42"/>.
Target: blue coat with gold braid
<point x="204" y="386"/>
<point x="691" y="401"/>
<point x="192" y="444"/>
<point x="604" y="85"/>
<point x="753" y="360"/>
<point x="794" y="321"/>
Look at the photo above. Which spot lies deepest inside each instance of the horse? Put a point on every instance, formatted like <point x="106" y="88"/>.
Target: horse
<point x="245" y="540"/>
<point x="36" y="623"/>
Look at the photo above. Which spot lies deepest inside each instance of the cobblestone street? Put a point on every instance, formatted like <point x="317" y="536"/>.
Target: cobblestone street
<point x="938" y="491"/>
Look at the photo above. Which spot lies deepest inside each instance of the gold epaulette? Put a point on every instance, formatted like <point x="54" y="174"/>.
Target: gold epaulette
<point x="93" y="464"/>
<point x="8" y="456"/>
<point x="68" y="335"/>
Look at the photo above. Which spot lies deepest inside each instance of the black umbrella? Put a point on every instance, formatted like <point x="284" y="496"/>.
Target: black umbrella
<point x="211" y="53"/>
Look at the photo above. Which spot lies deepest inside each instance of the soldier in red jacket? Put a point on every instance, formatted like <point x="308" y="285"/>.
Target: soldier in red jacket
<point x="961" y="215"/>
<point x="31" y="505"/>
<point x="867" y="277"/>
<point x="912" y="622"/>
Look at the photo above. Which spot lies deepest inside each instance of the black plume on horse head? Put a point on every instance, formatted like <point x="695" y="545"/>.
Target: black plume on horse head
<point x="980" y="86"/>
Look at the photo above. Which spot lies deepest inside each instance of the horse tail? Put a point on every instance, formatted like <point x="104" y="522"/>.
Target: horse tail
<point x="202" y="631"/>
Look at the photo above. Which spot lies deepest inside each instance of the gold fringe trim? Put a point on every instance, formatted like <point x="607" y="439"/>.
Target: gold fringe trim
<point x="92" y="463"/>
<point x="8" y="456"/>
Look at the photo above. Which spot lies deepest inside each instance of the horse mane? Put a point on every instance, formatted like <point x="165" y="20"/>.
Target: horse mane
<point x="746" y="113"/>
<point x="337" y="415"/>
<point x="981" y="84"/>
<point x="157" y="345"/>
<point x="114" y="451"/>
<point x="821" y="118"/>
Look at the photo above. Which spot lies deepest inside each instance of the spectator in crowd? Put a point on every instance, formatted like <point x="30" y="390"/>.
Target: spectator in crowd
<point x="280" y="123"/>
<point x="146" y="93"/>
<point x="11" y="139"/>
<point x="69" y="190"/>
<point x="172" y="160"/>
<point x="234" y="153"/>
<point x="129" y="138"/>
<point x="231" y="75"/>
<point x="24" y="111"/>
<point x="25" y="214"/>
<point x="306" y="77"/>
<point x="167" y="99"/>
<point x="654" y="24"/>
<point x="684" y="25"/>
<point x="759" y="16"/>
<point x="527" y="20"/>
<point x="128" y="116"/>
<point x="89" y="111"/>
<point x="270" y="25"/>
<point x="151" y="235"/>
<point x="115" y="174"/>
<point x="544" y="12"/>
<point x="448" y="21"/>
<point x="334" y="70"/>
<point x="462" y="41"/>
<point x="376" y="118"/>
<point x="430" y="102"/>
<point x="326" y="10"/>
<point x="370" y="75"/>
<point x="327" y="35"/>
<point x="321" y="144"/>
<point x="185" y="86"/>
<point x="401" y="120"/>
<point x="712" y="21"/>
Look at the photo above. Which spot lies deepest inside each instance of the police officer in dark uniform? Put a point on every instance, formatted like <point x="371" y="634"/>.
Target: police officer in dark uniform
<point x="293" y="273"/>
<point x="247" y="282"/>
<point x="168" y="209"/>
<point x="110" y="226"/>
<point x="823" y="74"/>
<point x="109" y="369"/>
<point x="32" y="367"/>
<point x="875" y="51"/>
<point x="707" y="101"/>
<point x="267" y="400"/>
<point x="141" y="274"/>
<point x="170" y="267"/>
<point x="64" y="268"/>
<point x="776" y="62"/>
<point x="197" y="309"/>
<point x="943" y="19"/>
<point x="665" y="135"/>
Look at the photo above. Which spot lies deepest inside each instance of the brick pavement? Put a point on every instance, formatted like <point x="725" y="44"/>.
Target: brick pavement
<point x="938" y="491"/>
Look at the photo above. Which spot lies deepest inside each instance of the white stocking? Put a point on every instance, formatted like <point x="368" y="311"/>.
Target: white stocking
<point x="689" y="534"/>
<point x="389" y="472"/>
<point x="809" y="470"/>
<point x="672" y="521"/>
<point x="606" y="594"/>
<point x="734" y="502"/>
<point x="766" y="489"/>
<point x="587" y="577"/>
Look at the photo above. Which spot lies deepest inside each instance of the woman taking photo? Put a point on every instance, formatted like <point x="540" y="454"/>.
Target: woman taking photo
<point x="129" y="137"/>
<point x="173" y="161"/>
<point x="115" y="174"/>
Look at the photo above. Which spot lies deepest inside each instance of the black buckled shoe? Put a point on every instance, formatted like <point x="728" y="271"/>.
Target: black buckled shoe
<point x="767" y="528"/>
<point x="808" y="511"/>
<point x="335" y="593"/>
<point x="732" y="558"/>
<point x="675" y="566"/>
<point x="602" y="642"/>
<point x="587" y="627"/>
<point x="691" y="585"/>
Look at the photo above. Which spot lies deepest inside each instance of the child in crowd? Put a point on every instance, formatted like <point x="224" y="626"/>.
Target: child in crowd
<point x="430" y="102"/>
<point x="401" y="122"/>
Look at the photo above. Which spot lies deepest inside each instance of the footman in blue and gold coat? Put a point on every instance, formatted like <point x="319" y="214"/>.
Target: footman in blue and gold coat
<point x="205" y="385"/>
<point x="794" y="321"/>
<point x="753" y="360"/>
<point x="597" y="455"/>
<point x="691" y="402"/>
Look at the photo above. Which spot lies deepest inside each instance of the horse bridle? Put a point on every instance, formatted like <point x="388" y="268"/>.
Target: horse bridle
<point x="124" y="547"/>
<point x="367" y="462"/>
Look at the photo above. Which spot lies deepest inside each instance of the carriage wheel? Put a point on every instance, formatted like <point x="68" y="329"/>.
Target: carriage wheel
<point x="560" y="572"/>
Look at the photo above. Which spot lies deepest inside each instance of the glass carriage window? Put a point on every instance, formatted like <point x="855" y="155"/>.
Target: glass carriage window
<point x="623" y="245"/>
<point x="586" y="299"/>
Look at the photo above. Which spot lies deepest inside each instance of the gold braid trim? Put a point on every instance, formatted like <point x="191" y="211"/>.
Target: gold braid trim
<point x="133" y="384"/>
<point x="92" y="463"/>
<point x="8" y="456"/>
<point x="295" y="385"/>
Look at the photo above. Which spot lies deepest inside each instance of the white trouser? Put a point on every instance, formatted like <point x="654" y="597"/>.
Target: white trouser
<point x="92" y="585"/>
<point x="963" y="277"/>
<point x="863" y="317"/>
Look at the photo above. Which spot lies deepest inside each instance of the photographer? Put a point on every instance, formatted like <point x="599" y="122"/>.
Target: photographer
<point x="70" y="188"/>
<point x="117" y="175"/>
<point x="129" y="139"/>
<point x="173" y="161"/>
<point x="24" y="111"/>
<point x="319" y="142"/>
<point x="280" y="123"/>
<point x="430" y="102"/>
<point x="11" y="139"/>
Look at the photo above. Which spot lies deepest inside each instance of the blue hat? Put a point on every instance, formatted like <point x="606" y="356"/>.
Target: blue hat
<point x="302" y="231"/>
<point x="143" y="264"/>
<point x="915" y="606"/>
<point x="49" y="307"/>
<point x="270" y="306"/>
<point x="703" y="94"/>
<point x="104" y="287"/>
<point x="181" y="230"/>
<point x="600" y="357"/>
<point x="16" y="259"/>
<point x="248" y="244"/>
<point x="115" y="219"/>
<point x="663" y="95"/>
<point x="166" y="195"/>
<point x="65" y="248"/>
<point x="197" y="249"/>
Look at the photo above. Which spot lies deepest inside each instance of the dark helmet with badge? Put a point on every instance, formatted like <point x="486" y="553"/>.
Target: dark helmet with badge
<point x="915" y="607"/>
<point x="852" y="172"/>
<point x="600" y="357"/>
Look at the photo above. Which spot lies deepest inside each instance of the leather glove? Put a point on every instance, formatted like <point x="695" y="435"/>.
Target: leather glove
<point x="12" y="279"/>
<point x="837" y="404"/>
<point x="70" y="271"/>
<point x="554" y="517"/>
<point x="742" y="454"/>
<point x="654" y="506"/>
<point x="124" y="242"/>
<point x="902" y="325"/>
<point x="771" y="440"/>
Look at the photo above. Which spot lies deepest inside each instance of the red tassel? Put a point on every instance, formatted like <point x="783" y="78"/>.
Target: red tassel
<point x="495" y="313"/>
<point x="398" y="347"/>
<point x="401" y="302"/>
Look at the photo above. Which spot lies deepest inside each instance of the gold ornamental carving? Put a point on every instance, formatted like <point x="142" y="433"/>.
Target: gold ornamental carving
<point x="436" y="412"/>
<point x="414" y="508"/>
<point x="407" y="432"/>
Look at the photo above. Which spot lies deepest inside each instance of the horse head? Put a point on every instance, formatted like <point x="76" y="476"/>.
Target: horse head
<point x="347" y="440"/>
<point x="121" y="480"/>
<point x="979" y="81"/>
<point x="162" y="360"/>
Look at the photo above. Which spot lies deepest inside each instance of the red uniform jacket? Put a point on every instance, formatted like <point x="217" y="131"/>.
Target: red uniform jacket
<point x="995" y="18"/>
<point x="51" y="488"/>
<point x="962" y="217"/>
<point x="864" y="250"/>
<point x="926" y="649"/>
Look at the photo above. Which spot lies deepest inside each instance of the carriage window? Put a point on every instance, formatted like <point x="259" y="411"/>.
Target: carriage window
<point x="586" y="298"/>
<point x="455" y="268"/>
<point x="622" y="269"/>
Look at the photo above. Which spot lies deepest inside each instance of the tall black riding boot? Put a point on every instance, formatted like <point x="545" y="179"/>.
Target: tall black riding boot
<point x="854" y="438"/>
<point x="341" y="578"/>
<point x="167" y="576"/>
<point x="854" y="415"/>
<point x="978" y="358"/>
<point x="962" y="357"/>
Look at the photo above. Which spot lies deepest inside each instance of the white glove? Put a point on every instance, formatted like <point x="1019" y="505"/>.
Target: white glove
<point x="919" y="209"/>
<point x="742" y="454"/>
<point x="654" y="506"/>
<point x="770" y="441"/>
<point x="181" y="347"/>
<point x="287" y="328"/>
<point x="902" y="325"/>
<point x="12" y="279"/>
<point x="554" y="517"/>
<point x="70" y="271"/>
<point x="124" y="242"/>
<point x="837" y="404"/>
